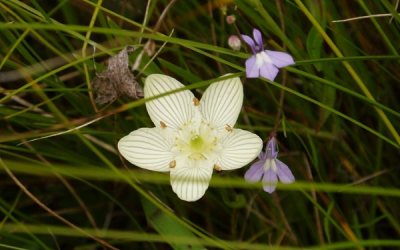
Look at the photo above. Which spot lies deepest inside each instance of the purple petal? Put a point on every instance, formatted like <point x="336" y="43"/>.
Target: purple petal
<point x="252" y="69"/>
<point x="269" y="71"/>
<point x="269" y="181"/>
<point x="255" y="172"/>
<point x="270" y="149"/>
<point x="262" y="156"/>
<point x="280" y="59"/>
<point x="265" y="157"/>
<point x="258" y="38"/>
<point x="250" y="42"/>
<point x="284" y="173"/>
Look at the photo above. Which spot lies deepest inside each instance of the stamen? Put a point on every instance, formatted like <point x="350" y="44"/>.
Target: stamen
<point x="196" y="101"/>
<point x="269" y="153"/>
<point x="229" y="128"/>
<point x="172" y="164"/>
<point x="217" y="168"/>
<point x="163" y="125"/>
<point x="198" y="140"/>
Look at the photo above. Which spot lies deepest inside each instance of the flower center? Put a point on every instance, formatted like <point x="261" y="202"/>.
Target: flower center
<point x="269" y="163"/>
<point x="197" y="144"/>
<point x="196" y="140"/>
<point x="262" y="58"/>
<point x="269" y="153"/>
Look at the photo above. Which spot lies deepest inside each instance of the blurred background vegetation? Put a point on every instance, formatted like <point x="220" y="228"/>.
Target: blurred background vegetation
<point x="338" y="107"/>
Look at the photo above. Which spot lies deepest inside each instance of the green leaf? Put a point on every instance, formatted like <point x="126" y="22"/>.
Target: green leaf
<point x="167" y="226"/>
<point x="314" y="39"/>
<point x="284" y="125"/>
<point x="239" y="200"/>
<point x="314" y="44"/>
<point x="122" y="40"/>
<point x="152" y="68"/>
<point x="187" y="75"/>
<point x="326" y="221"/>
<point x="313" y="152"/>
<point x="328" y="97"/>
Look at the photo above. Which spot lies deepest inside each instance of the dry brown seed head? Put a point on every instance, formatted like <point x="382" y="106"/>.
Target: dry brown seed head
<point x="117" y="80"/>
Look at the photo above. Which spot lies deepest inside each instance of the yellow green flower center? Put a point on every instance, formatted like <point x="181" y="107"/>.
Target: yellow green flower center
<point x="197" y="140"/>
<point x="197" y="144"/>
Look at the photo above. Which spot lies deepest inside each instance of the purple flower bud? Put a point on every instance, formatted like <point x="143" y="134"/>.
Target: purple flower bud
<point x="234" y="42"/>
<point x="230" y="19"/>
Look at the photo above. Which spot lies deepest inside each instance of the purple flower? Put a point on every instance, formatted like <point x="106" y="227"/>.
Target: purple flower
<point x="264" y="62"/>
<point x="269" y="167"/>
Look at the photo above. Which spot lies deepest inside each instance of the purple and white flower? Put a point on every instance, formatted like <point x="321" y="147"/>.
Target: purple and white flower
<point x="269" y="167"/>
<point x="191" y="137"/>
<point x="264" y="63"/>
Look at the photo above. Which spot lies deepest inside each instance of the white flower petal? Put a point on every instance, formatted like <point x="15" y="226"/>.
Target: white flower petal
<point x="173" y="110"/>
<point x="190" y="179"/>
<point x="221" y="103"/>
<point x="148" y="148"/>
<point x="240" y="147"/>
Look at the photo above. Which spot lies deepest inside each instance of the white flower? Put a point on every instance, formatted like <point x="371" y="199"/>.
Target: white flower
<point x="191" y="137"/>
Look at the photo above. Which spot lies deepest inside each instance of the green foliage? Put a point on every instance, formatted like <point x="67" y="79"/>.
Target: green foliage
<point x="339" y="107"/>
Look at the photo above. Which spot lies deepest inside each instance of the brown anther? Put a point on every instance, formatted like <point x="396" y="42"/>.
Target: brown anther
<point x="172" y="164"/>
<point x="217" y="168"/>
<point x="196" y="101"/>
<point x="229" y="128"/>
<point x="163" y="125"/>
